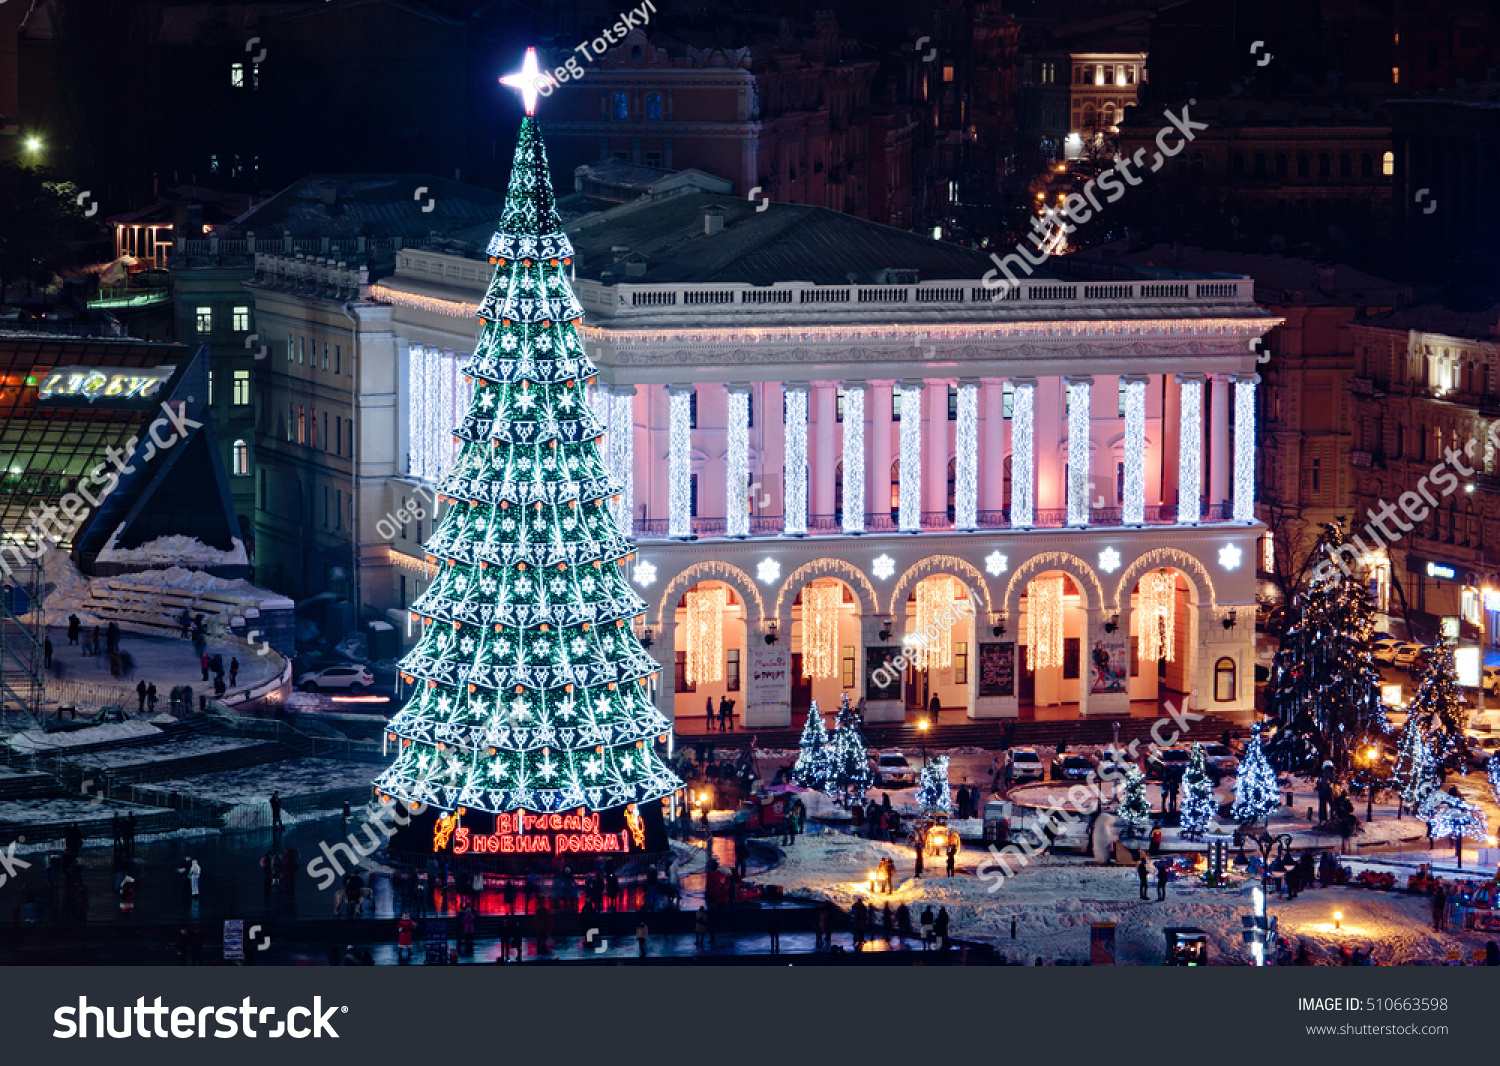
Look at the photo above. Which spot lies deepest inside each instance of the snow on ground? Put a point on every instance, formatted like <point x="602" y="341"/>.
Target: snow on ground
<point x="252" y="785"/>
<point x="35" y="740"/>
<point x="60" y="809"/>
<point x="177" y="748"/>
<point x="168" y="551"/>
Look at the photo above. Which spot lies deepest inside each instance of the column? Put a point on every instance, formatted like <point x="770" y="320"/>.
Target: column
<point x="1190" y="449"/>
<point x="935" y="452"/>
<point x="992" y="470"/>
<point x="737" y="462"/>
<point x="966" y="457"/>
<point x="911" y="456"/>
<point x="1134" y="503"/>
<point x="1022" y="451"/>
<point x="794" y="499"/>
<point x="879" y="474"/>
<point x="825" y="448"/>
<point x="1218" y="440"/>
<point x="621" y="452"/>
<point x="679" y="460"/>
<point x="1080" y="452"/>
<point x="1244" y="446"/>
<point x="853" y="502"/>
<point x="1051" y="493"/>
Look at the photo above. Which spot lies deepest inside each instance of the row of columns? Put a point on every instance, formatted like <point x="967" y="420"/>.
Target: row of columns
<point x="918" y="464"/>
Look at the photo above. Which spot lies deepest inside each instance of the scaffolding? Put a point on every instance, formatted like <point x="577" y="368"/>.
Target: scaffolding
<point x="22" y="632"/>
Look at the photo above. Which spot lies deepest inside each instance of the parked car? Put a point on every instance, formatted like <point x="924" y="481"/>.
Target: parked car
<point x="349" y="676"/>
<point x="1491" y="680"/>
<point x="1481" y="750"/>
<point x="1112" y="764"/>
<point x="892" y="770"/>
<point x="1026" y="765"/>
<point x="1163" y="759"/>
<point x="1407" y="656"/>
<point x="1071" y="767"/>
<point x="1384" y="649"/>
<point x="1275" y="623"/>
<point x="1220" y="760"/>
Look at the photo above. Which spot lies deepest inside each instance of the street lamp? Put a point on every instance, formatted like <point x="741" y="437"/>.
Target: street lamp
<point x="33" y="144"/>
<point x="922" y="725"/>
<point x="1371" y="754"/>
<point x="1266" y="842"/>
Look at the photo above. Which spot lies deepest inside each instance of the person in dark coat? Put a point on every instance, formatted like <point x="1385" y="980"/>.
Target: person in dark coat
<point x="1161" y="881"/>
<point x="74" y="625"/>
<point x="940" y="927"/>
<point x="275" y="809"/>
<point x="1293" y="879"/>
<point x="1145" y="876"/>
<point x="1439" y="909"/>
<point x="934" y="708"/>
<point x="952" y="856"/>
<point x="919" y="859"/>
<point x="151" y="697"/>
<point x="140" y="705"/>
<point x="234" y="670"/>
<point x="47" y="653"/>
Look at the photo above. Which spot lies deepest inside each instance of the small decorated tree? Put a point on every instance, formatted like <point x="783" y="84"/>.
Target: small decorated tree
<point x="1198" y="803"/>
<point x="814" y="752"/>
<point x="1256" y="796"/>
<point x="1438" y="710"/>
<point x="1415" y="771"/>
<point x="850" y="772"/>
<point x="1493" y="771"/>
<point x="1448" y="814"/>
<point x="933" y="791"/>
<point x="1135" y="809"/>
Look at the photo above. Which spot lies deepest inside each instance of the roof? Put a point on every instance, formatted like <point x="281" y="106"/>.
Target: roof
<point x="1481" y="323"/>
<point x="369" y="205"/>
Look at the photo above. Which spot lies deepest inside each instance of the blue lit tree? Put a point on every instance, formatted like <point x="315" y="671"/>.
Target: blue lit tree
<point x="934" y="793"/>
<point x="1134" y="815"/>
<point x="814" y="755"/>
<point x="1256" y="796"/>
<point x="1198" y="803"/>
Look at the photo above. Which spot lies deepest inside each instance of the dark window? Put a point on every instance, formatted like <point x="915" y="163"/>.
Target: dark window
<point x="1135" y="656"/>
<point x="693" y="410"/>
<point x="1071" y="657"/>
<point x="952" y="403"/>
<point x="680" y="671"/>
<point x="693" y="495"/>
<point x="653" y="106"/>
<point x="732" y="670"/>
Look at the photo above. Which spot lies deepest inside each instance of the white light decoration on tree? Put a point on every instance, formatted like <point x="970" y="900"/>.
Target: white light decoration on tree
<point x="1230" y="556"/>
<point x="622" y="452"/>
<point x="1134" y="504"/>
<point x="1157" y="607"/>
<point x="705" y="635"/>
<point x="966" y="457"/>
<point x="680" y="461"/>
<point x="1044" y="622"/>
<point x="854" y="457"/>
<point x="737" y="465"/>
<point x="1022" y="451"/>
<point x="645" y="574"/>
<point x="767" y="571"/>
<point x="1190" y="449"/>
<point x="1244" y="446"/>
<point x="996" y="564"/>
<point x="794" y="503"/>
<point x="932" y="635"/>
<point x="438" y="399"/>
<point x="820" y="628"/>
<point x="911" y="456"/>
<point x="1453" y="817"/>
<point x="1109" y="560"/>
<point x="884" y="567"/>
<point x="1079" y="422"/>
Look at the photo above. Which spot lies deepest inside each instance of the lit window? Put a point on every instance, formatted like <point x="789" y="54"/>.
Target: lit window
<point x="1224" y="680"/>
<point x="896" y="405"/>
<point x="241" y="455"/>
<point x="960" y="664"/>
<point x="1388" y="164"/>
<point x="1007" y="401"/>
<point x="838" y="409"/>
<point x="952" y="403"/>
<point x="1123" y="388"/>
<point x="241" y="397"/>
<point x="241" y="321"/>
<point x="210" y="388"/>
<point x="653" y="106"/>
<point x="301" y="425"/>
<point x="205" y="321"/>
<point x="236" y="75"/>
<point x="301" y="350"/>
<point x="947" y="74"/>
<point x="848" y="664"/>
<point x="621" y="105"/>
<point x="1395" y="75"/>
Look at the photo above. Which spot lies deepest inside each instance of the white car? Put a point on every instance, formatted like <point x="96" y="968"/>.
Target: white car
<point x="1220" y="760"/>
<point x="892" y="770"/>
<point x="1384" y="649"/>
<point x="350" y="676"/>
<point x="1407" y="656"/>
<point x="1026" y="765"/>
<point x="1491" y="680"/>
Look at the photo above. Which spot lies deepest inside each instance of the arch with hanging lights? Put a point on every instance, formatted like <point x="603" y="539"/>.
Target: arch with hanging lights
<point x="1081" y="572"/>
<point x="712" y="570"/>
<point x="829" y="566"/>
<point x="962" y="569"/>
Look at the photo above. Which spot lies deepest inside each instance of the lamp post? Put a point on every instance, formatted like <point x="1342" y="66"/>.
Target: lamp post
<point x="922" y="729"/>
<point x="1371" y="754"/>
<point x="1266" y="842"/>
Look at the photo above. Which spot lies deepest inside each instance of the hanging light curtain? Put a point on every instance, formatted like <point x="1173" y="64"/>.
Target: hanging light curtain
<point x="932" y="639"/>
<point x="820" y="629"/>
<point x="1157" y="602"/>
<point x="705" y="635"/>
<point x="1044" y="622"/>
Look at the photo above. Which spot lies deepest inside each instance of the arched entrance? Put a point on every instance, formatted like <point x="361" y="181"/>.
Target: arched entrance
<point x="940" y="647"/>
<point x="1050" y="638"/>
<point x="710" y="645"/>
<point x="825" y="643"/>
<point x="1163" y="627"/>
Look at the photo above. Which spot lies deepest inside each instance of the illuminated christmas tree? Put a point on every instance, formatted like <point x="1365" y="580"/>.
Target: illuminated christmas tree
<point x="1438" y="710"/>
<point x="814" y="756"/>
<point x="1134" y="814"/>
<point x="1198" y="803"/>
<point x="934" y="793"/>
<point x="529" y="695"/>
<point x="1449" y="815"/>
<point x="1415" y="771"/>
<point x="1256" y="796"/>
<point x="850" y="771"/>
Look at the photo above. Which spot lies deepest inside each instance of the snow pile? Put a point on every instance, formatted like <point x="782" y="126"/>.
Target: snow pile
<point x="36" y="740"/>
<point x="172" y="550"/>
<point x="168" y="751"/>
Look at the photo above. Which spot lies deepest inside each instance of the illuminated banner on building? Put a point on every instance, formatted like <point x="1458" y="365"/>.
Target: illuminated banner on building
<point x="529" y="834"/>
<point x="94" y="383"/>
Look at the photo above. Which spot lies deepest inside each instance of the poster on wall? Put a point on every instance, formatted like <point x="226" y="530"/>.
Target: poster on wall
<point x="770" y="677"/>
<point x="876" y="660"/>
<point x="1110" y="666"/>
<point x="997" y="669"/>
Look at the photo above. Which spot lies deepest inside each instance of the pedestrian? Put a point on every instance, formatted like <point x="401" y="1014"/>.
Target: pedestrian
<point x="466" y="921"/>
<point x="127" y="896"/>
<point x="1161" y="881"/>
<point x="276" y="809"/>
<point x="927" y="920"/>
<point x="934" y="708"/>
<point x="952" y="855"/>
<point x="1439" y="905"/>
<point x="404" y="930"/>
<point x="641" y="933"/>
<point x="700" y="927"/>
<point x="234" y="671"/>
<point x="219" y="688"/>
<point x="151" y="697"/>
<point x="185" y="623"/>
<point x="741" y="854"/>
<point x="74" y="625"/>
<point x="919" y="859"/>
<point x="708" y="710"/>
<point x="112" y="637"/>
<point x="47" y="653"/>
<point x="940" y="928"/>
<point x="824" y="928"/>
<point x="140" y="708"/>
<point x="1144" y="875"/>
<point x="194" y="873"/>
<point x="117" y="827"/>
<point x="773" y="929"/>
<point x="203" y="664"/>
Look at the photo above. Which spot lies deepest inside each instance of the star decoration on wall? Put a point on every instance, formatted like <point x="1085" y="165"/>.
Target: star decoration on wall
<point x="1229" y="556"/>
<point x="645" y="573"/>
<point x="1109" y="560"/>
<point x="996" y="564"/>
<point x="884" y="567"/>
<point x="768" y="571"/>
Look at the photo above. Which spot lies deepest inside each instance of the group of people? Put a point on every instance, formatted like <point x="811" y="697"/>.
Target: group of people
<point x="725" y="713"/>
<point x="866" y="919"/>
<point x="145" y="697"/>
<point x="877" y="821"/>
<point x="105" y="641"/>
<point x="215" y="663"/>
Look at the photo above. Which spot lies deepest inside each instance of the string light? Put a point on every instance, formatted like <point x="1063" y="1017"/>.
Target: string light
<point x="966" y="460"/>
<point x="400" y="298"/>
<point x="420" y="567"/>
<point x="1244" y="446"/>
<point x="1044" y="622"/>
<point x="1157" y="604"/>
<point x="737" y="464"/>
<point x="854" y="457"/>
<point x="705" y="635"/>
<point x="1190" y="448"/>
<point x="621" y="449"/>
<point x="1022" y="452"/>
<point x="1078" y="450"/>
<point x="679" y="461"/>
<point x="932" y="638"/>
<point x="795" y="505"/>
<point x="911" y="456"/>
<point x="1134" y="504"/>
<point x="821" y="602"/>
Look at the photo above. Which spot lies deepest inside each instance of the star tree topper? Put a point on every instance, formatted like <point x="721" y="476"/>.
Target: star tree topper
<point x="529" y="81"/>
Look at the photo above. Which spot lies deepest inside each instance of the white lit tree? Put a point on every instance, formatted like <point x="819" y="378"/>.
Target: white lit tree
<point x="1415" y="773"/>
<point x="1449" y="816"/>
<point x="1134" y="814"/>
<point x="1256" y="796"/>
<point x="1198" y="803"/>
<point x="850" y="771"/>
<point x="933" y="790"/>
<point x="814" y="755"/>
<point x="1438" y="710"/>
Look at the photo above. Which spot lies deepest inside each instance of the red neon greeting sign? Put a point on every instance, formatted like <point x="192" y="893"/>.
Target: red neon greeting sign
<point x="526" y="834"/>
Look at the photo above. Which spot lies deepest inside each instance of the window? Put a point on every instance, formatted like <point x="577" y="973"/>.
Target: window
<point x="750" y="408"/>
<point x="960" y="664"/>
<point x="1304" y="165"/>
<point x="732" y="670"/>
<point x="291" y="420"/>
<point x="1281" y="164"/>
<point x="896" y="405"/>
<point x="848" y="666"/>
<point x="1071" y="657"/>
<point x="338" y="436"/>
<point x="947" y="74"/>
<point x="693" y="409"/>
<point x="621" y="109"/>
<point x="241" y="397"/>
<point x="301" y="350"/>
<point x="1388" y="164"/>
<point x="653" y="107"/>
<point x="338" y="510"/>
<point x="1325" y="166"/>
<point x="301" y="425"/>
<point x="312" y="429"/>
<point x="1367" y="165"/>
<point x="1049" y="73"/>
<point x="1317" y="474"/>
<point x="952" y="403"/>
<point x="1135" y="656"/>
<point x="1119" y="482"/>
<point x="240" y="453"/>
<point x="1395" y="75"/>
<point x="680" y="672"/>
<point x="1122" y="389"/>
<point x="289" y="346"/>
<point x="1224" y="680"/>
<point x="325" y="355"/>
<point x="1346" y="165"/>
<point x="337" y="359"/>
<point x="205" y="321"/>
<point x="241" y="320"/>
<point x="325" y="431"/>
<point x="210" y="388"/>
<point x="1007" y="399"/>
<point x="693" y="495"/>
<point x="653" y="158"/>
